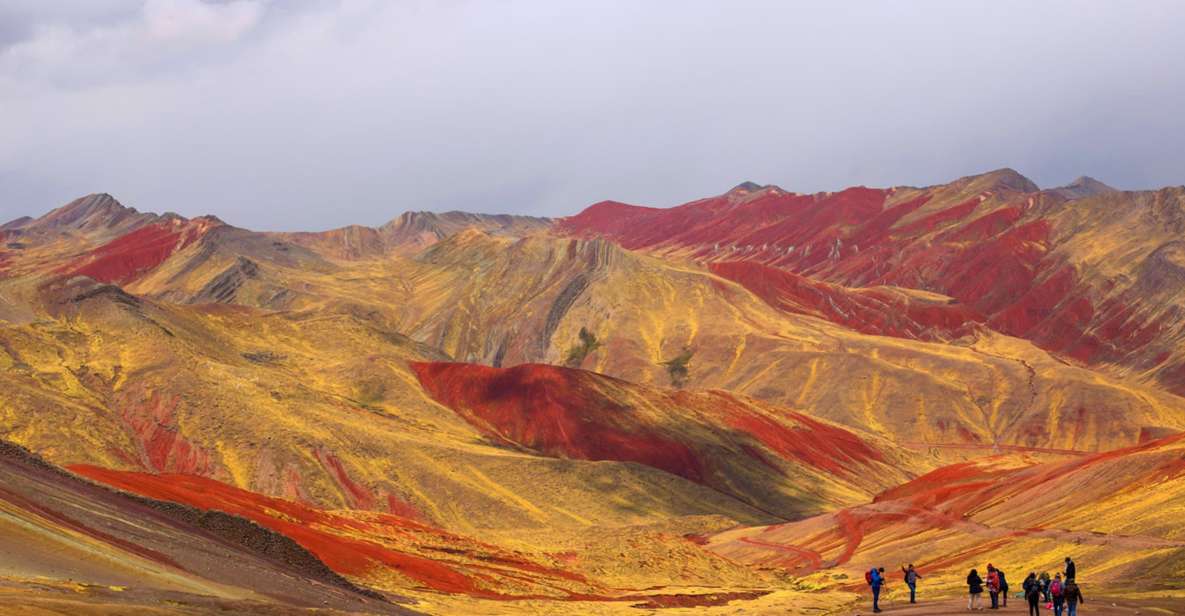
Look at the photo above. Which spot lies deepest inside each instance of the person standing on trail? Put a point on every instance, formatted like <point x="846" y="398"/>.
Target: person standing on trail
<point x="1057" y="590"/>
<point x="1071" y="569"/>
<point x="1033" y="594"/>
<point x="1073" y="598"/>
<point x="876" y="579"/>
<point x="1003" y="587"/>
<point x="911" y="580"/>
<point x="975" y="589"/>
<point x="993" y="586"/>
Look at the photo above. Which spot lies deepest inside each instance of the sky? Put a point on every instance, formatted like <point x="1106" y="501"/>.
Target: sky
<point x="314" y="114"/>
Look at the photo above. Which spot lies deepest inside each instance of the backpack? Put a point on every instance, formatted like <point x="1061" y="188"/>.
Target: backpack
<point x="868" y="577"/>
<point x="1056" y="588"/>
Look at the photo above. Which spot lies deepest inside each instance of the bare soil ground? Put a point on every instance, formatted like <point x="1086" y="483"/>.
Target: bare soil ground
<point x="1101" y="606"/>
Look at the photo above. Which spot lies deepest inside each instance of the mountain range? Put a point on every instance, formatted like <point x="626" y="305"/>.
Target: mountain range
<point x="734" y="405"/>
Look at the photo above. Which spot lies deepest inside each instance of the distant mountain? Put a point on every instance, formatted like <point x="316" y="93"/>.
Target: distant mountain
<point x="1082" y="188"/>
<point x="411" y="232"/>
<point x="97" y="213"/>
<point x="1085" y="271"/>
<point x="16" y="223"/>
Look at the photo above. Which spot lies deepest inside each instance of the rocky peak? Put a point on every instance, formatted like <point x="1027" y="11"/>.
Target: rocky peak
<point x="1001" y="179"/>
<point x="746" y="187"/>
<point x="1084" y="186"/>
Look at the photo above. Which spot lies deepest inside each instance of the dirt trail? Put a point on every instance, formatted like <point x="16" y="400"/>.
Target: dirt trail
<point x="1101" y="606"/>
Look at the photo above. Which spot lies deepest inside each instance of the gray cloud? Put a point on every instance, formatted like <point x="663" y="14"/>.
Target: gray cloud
<point x="319" y="113"/>
<point x="20" y="19"/>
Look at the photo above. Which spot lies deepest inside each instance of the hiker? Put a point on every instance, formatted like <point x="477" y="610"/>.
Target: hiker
<point x="1003" y="587"/>
<point x="1033" y="594"/>
<point x="876" y="579"/>
<point x="993" y="586"/>
<point x="1073" y="597"/>
<point x="1070" y="570"/>
<point x="911" y="580"/>
<point x="1044" y="579"/>
<point x="975" y="588"/>
<point x="1057" y="590"/>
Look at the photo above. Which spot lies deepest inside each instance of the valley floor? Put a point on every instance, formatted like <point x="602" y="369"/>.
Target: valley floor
<point x="56" y="599"/>
<point x="1103" y="605"/>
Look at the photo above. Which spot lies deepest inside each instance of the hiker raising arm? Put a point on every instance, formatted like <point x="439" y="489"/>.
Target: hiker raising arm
<point x="911" y="580"/>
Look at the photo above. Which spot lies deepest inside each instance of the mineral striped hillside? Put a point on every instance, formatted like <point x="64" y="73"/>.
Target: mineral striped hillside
<point x="734" y="405"/>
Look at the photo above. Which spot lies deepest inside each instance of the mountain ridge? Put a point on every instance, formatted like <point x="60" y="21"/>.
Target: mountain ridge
<point x="723" y="403"/>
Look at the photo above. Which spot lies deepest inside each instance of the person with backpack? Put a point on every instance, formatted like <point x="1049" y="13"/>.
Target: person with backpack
<point x="911" y="580"/>
<point x="1071" y="569"/>
<point x="1057" y="591"/>
<point x="1073" y="597"/>
<point x="1045" y="580"/>
<point x="993" y="586"/>
<point x="876" y="579"/>
<point x="975" y="589"/>
<point x="1003" y="587"/>
<point x="1033" y="594"/>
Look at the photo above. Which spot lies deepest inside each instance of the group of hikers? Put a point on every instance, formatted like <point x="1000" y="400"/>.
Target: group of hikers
<point x="1059" y="593"/>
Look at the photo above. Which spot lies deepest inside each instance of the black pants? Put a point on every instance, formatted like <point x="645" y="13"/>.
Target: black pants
<point x="995" y="599"/>
<point x="1034" y="605"/>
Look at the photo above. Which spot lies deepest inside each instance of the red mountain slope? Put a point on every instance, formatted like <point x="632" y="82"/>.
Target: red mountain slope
<point x="885" y="311"/>
<point x="382" y="550"/>
<point x="449" y="571"/>
<point x="713" y="438"/>
<point x="128" y="256"/>
<point x="1087" y="272"/>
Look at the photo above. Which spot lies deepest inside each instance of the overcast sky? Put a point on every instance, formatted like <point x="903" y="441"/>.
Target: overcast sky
<point x="312" y="114"/>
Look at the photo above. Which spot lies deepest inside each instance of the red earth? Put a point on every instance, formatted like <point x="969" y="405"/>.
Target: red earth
<point x="830" y="254"/>
<point x="878" y="310"/>
<point x="348" y="545"/>
<point x="128" y="256"/>
<point x="571" y="413"/>
<point x="555" y="411"/>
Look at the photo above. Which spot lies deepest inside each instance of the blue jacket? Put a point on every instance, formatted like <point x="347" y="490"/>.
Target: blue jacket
<point x="878" y="580"/>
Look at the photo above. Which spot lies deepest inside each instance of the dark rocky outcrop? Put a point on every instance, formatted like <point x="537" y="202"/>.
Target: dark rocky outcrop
<point x="222" y="288"/>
